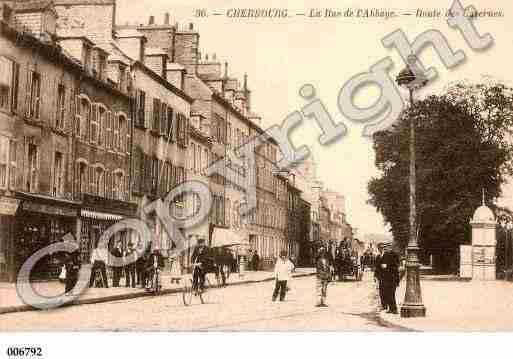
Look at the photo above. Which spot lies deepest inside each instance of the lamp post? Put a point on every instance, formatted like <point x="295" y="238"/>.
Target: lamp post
<point x="412" y="305"/>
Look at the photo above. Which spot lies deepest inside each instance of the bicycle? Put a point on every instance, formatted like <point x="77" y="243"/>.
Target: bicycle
<point x="190" y="290"/>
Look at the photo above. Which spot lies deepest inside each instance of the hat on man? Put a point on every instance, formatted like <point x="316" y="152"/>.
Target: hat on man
<point x="283" y="253"/>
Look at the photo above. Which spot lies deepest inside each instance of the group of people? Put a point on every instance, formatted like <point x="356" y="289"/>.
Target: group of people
<point x="138" y="271"/>
<point x="284" y="267"/>
<point x="386" y="274"/>
<point x="140" y="266"/>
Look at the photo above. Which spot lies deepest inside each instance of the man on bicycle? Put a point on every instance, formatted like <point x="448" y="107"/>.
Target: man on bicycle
<point x="199" y="260"/>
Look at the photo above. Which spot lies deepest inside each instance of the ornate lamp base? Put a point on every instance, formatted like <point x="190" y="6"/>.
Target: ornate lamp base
<point x="412" y="306"/>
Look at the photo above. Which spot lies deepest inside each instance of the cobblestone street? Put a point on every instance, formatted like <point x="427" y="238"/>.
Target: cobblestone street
<point x="245" y="307"/>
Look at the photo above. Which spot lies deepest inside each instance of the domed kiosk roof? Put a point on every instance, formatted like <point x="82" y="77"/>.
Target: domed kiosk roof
<point x="483" y="215"/>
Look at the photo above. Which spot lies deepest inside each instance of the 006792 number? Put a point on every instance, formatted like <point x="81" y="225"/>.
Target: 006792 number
<point x="24" y="352"/>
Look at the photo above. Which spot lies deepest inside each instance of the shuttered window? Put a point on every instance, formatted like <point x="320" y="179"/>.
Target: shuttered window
<point x="156" y="115"/>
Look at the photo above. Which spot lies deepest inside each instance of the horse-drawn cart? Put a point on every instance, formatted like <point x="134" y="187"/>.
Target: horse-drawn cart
<point x="348" y="264"/>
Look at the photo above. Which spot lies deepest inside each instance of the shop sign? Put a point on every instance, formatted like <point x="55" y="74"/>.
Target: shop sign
<point x="8" y="206"/>
<point x="48" y="209"/>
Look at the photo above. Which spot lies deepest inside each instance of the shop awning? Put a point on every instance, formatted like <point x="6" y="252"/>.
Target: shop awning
<point x="224" y="237"/>
<point x="100" y="215"/>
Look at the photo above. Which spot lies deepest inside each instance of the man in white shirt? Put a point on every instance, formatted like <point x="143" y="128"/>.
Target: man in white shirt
<point x="282" y="273"/>
<point x="98" y="259"/>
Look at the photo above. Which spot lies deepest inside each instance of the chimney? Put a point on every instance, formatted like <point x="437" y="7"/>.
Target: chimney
<point x="206" y="57"/>
<point x="191" y="26"/>
<point x="226" y="70"/>
<point x="152" y="20"/>
<point x="185" y="48"/>
<point x="247" y="93"/>
<point x="166" y="18"/>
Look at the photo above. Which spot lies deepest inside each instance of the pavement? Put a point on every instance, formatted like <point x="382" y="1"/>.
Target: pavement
<point x="10" y="301"/>
<point x="456" y="305"/>
<point x="234" y="308"/>
<point x="452" y="305"/>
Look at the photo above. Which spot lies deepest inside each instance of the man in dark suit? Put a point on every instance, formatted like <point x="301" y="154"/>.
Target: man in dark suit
<point x="390" y="277"/>
<point x="378" y="275"/>
<point x="116" y="270"/>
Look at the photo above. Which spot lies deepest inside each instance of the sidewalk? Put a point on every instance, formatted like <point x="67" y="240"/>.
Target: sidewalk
<point x="10" y="302"/>
<point x="460" y="306"/>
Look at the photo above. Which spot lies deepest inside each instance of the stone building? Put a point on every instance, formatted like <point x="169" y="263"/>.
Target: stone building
<point x="68" y="131"/>
<point x="222" y="109"/>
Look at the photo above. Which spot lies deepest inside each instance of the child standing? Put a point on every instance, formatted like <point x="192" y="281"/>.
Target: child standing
<point x="323" y="277"/>
<point x="282" y="273"/>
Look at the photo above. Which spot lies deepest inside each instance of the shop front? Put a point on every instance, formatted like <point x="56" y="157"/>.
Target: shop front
<point x="96" y="215"/>
<point x="39" y="222"/>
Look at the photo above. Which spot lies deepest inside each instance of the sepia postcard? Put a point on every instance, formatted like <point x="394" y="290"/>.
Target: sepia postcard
<point x="254" y="166"/>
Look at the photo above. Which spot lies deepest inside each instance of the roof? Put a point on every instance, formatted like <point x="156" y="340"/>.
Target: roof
<point x="123" y="33"/>
<point x="53" y="52"/>
<point x="483" y="215"/>
<point x="27" y="6"/>
<point x="116" y="54"/>
<point x="82" y="38"/>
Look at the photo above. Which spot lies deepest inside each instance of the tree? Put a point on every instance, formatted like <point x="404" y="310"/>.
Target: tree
<point x="462" y="146"/>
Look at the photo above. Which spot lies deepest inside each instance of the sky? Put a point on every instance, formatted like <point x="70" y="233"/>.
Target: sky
<point x="281" y="55"/>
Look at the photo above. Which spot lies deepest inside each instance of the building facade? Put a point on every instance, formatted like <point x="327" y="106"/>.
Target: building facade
<point x="69" y="138"/>
<point x="98" y="120"/>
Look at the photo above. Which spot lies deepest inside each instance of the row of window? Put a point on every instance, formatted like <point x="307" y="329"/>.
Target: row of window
<point x="93" y="121"/>
<point x="165" y="121"/>
<point x="270" y="215"/>
<point x="198" y="158"/>
<point x="270" y="247"/>
<point x="155" y="176"/>
<point x="96" y="124"/>
<point x="265" y="177"/>
<point x="98" y="181"/>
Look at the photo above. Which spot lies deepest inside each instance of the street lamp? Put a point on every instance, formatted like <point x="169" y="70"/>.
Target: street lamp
<point x="412" y="79"/>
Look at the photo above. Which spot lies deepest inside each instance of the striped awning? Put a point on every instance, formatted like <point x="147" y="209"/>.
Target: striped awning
<point x="100" y="215"/>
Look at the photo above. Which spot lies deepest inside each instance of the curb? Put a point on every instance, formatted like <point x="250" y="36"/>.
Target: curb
<point x="113" y="298"/>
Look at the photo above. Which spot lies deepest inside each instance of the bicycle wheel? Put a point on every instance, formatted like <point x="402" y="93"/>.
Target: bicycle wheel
<point x="187" y="292"/>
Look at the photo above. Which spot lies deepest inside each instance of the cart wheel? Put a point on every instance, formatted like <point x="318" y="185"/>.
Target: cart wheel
<point x="187" y="292"/>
